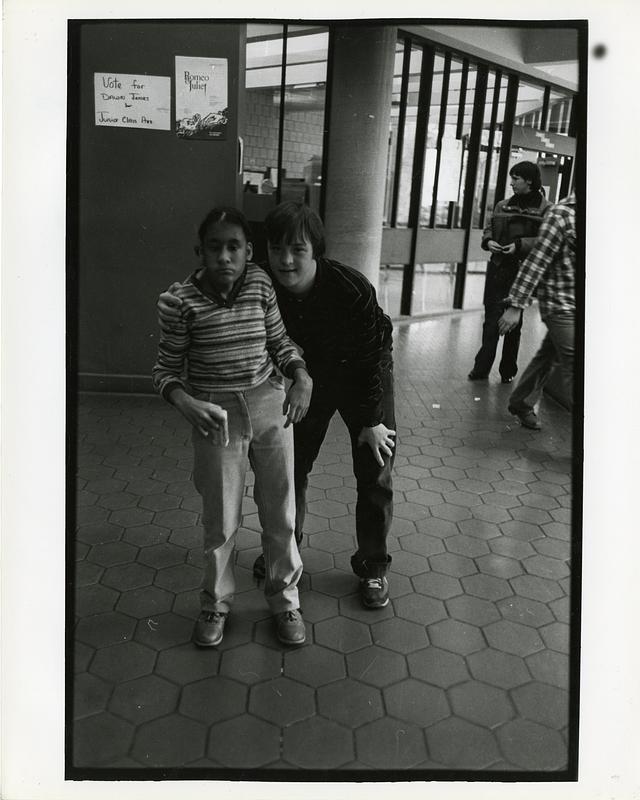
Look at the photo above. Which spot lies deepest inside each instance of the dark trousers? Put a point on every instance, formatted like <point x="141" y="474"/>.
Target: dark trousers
<point x="490" y="337"/>
<point x="374" y="506"/>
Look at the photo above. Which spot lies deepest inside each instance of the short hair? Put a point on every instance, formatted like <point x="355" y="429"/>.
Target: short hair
<point x="291" y="221"/>
<point x="226" y="214"/>
<point x="529" y="171"/>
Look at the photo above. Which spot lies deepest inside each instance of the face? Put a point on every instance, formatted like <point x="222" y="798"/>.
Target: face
<point x="293" y="265"/>
<point x="519" y="185"/>
<point x="224" y="253"/>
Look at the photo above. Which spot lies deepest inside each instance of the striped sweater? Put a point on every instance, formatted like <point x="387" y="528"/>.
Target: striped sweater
<point x="227" y="345"/>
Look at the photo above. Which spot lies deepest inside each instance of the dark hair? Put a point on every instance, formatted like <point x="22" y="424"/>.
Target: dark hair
<point x="291" y="221"/>
<point x="226" y="214"/>
<point x="530" y="172"/>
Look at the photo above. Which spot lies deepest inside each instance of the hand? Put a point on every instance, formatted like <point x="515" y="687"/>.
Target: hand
<point x="379" y="439"/>
<point x="509" y="249"/>
<point x="494" y="247"/>
<point x="208" y="418"/>
<point x="509" y="320"/>
<point x="296" y="402"/>
<point x="168" y="307"/>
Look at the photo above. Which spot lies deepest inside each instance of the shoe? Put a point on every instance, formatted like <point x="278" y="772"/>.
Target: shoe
<point x="528" y="419"/>
<point x="290" y="627"/>
<point x="209" y="628"/>
<point x="506" y="380"/>
<point x="259" y="568"/>
<point x="374" y="592"/>
<point x="475" y="376"/>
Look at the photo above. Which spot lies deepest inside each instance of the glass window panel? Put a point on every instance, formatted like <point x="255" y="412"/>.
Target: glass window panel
<point x="529" y="102"/>
<point x="559" y="113"/>
<point x="397" y="72"/>
<point x="483" y="162"/>
<point x="497" y="147"/>
<point x="466" y="127"/>
<point x="408" y="143"/>
<point x="303" y="127"/>
<point x="450" y="179"/>
<point x="431" y="151"/>
<point x="474" y="284"/>
<point x="262" y="113"/>
<point x="469" y="100"/>
<point x="392" y="143"/>
<point x="390" y="288"/>
<point x="550" y="165"/>
<point x="433" y="286"/>
<point x="449" y="207"/>
<point x="390" y="176"/>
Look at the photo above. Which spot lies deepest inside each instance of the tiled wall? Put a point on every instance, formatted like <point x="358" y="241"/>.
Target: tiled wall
<point x="302" y="135"/>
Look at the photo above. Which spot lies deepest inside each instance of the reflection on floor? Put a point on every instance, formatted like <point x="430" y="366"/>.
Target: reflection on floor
<point x="466" y="669"/>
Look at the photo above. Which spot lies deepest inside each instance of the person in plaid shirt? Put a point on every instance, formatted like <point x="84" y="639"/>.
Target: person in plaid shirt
<point x="550" y="268"/>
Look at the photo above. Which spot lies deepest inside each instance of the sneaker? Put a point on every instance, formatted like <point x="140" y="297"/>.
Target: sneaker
<point x="374" y="592"/>
<point x="528" y="419"/>
<point x="476" y="376"/>
<point x="209" y="628"/>
<point x="290" y="627"/>
<point x="506" y="380"/>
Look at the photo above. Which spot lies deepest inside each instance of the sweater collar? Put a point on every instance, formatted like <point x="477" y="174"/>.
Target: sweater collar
<point x="211" y="294"/>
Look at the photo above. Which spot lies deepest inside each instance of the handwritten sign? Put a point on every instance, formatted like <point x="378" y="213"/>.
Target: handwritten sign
<point x="201" y="97"/>
<point x="132" y="101"/>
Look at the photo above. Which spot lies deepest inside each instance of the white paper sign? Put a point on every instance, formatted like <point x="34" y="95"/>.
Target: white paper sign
<point x="132" y="101"/>
<point x="201" y="97"/>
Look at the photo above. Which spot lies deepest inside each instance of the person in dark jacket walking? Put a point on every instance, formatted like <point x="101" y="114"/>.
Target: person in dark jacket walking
<point x="330" y="310"/>
<point x="508" y="236"/>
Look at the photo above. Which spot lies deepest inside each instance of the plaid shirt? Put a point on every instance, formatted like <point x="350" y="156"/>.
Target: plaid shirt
<point x="551" y="264"/>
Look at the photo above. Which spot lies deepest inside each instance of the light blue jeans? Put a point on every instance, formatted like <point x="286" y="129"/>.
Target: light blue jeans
<point x="257" y="437"/>
<point x="557" y="348"/>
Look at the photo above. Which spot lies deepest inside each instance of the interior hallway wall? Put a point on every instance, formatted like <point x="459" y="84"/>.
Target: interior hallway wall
<point x="141" y="195"/>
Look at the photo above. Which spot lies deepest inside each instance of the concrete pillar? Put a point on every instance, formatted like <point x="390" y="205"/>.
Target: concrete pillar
<point x="363" y="59"/>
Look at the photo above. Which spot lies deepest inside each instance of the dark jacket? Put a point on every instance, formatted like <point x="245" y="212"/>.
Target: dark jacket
<point x="345" y="336"/>
<point x="513" y="221"/>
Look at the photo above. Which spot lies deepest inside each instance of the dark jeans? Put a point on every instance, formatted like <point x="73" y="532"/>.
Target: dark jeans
<point x="374" y="506"/>
<point x="490" y="336"/>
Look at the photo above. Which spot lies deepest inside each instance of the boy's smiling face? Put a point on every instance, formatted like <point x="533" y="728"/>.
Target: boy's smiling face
<point x="224" y="252"/>
<point x="293" y="264"/>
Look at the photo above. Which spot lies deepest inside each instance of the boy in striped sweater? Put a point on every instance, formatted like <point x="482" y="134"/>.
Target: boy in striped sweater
<point x="230" y="335"/>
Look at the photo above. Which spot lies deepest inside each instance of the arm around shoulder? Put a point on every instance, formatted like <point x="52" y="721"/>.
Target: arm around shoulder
<point x="168" y="306"/>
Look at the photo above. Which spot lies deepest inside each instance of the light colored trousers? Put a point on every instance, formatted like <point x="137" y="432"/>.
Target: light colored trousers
<point x="557" y="348"/>
<point x="257" y="436"/>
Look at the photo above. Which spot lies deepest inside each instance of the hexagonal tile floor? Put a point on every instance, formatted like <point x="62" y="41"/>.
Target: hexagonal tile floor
<point x="466" y="669"/>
